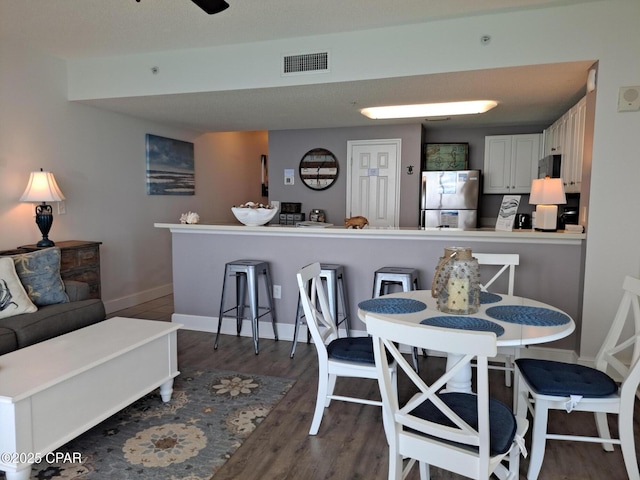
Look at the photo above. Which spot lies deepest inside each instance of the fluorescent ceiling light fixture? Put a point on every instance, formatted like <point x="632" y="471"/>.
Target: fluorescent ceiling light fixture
<point x="429" y="109"/>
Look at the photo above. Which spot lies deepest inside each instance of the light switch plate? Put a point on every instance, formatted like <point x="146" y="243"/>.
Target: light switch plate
<point x="288" y="176"/>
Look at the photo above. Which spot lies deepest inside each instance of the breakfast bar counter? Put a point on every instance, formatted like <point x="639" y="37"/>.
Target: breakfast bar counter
<point x="479" y="234"/>
<point x="550" y="270"/>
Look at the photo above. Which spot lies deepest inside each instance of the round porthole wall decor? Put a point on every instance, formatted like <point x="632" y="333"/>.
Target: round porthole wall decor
<point x="319" y="169"/>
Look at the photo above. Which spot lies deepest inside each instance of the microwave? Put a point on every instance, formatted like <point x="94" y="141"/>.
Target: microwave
<point x="549" y="166"/>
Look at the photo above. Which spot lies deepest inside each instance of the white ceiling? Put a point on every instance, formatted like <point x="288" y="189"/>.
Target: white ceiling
<point x="89" y="28"/>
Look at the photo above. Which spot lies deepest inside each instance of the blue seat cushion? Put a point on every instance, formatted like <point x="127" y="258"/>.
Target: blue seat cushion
<point x="563" y="379"/>
<point x="502" y="423"/>
<point x="352" y="349"/>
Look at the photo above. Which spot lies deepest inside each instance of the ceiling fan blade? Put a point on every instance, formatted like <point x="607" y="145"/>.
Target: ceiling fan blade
<point x="211" y="6"/>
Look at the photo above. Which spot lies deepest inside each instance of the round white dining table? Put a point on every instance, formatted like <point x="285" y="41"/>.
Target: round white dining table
<point x="517" y="321"/>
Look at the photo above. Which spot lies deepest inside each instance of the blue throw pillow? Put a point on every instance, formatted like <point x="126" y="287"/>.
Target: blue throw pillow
<point x="39" y="273"/>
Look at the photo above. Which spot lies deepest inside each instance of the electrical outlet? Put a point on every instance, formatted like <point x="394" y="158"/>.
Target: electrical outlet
<point x="277" y="291"/>
<point x="62" y="208"/>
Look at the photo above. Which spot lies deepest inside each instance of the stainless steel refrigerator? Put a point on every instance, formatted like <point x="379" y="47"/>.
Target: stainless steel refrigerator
<point x="450" y="199"/>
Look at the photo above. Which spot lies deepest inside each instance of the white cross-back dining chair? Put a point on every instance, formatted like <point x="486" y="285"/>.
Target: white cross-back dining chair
<point x="507" y="266"/>
<point x="337" y="357"/>
<point x="466" y="433"/>
<point x="507" y="263"/>
<point x="546" y="385"/>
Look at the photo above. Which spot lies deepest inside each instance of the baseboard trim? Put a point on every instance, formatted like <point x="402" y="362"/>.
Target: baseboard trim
<point x="285" y="332"/>
<point x="210" y="324"/>
<point x="137" y="298"/>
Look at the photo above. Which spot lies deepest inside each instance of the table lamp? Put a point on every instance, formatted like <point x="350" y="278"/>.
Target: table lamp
<point x="42" y="187"/>
<point x="546" y="194"/>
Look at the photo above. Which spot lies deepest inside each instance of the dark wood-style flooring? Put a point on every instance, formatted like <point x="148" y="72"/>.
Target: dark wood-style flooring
<point x="350" y="444"/>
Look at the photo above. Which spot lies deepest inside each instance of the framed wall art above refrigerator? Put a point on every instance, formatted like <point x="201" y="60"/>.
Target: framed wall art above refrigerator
<point x="446" y="156"/>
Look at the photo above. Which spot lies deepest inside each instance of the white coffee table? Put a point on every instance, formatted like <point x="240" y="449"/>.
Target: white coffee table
<point x="53" y="391"/>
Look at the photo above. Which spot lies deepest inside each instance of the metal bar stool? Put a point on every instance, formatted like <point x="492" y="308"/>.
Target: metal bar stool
<point x="336" y="288"/>
<point x="386" y="276"/>
<point x="247" y="273"/>
<point x="407" y="278"/>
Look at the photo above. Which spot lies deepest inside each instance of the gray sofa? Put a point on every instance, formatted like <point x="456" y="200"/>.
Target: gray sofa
<point x="51" y="320"/>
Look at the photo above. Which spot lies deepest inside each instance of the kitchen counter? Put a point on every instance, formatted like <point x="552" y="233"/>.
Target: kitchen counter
<point x="478" y="235"/>
<point x="551" y="264"/>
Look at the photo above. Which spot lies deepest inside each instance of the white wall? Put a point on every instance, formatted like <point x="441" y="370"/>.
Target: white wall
<point x="231" y="172"/>
<point x="604" y="30"/>
<point x="98" y="158"/>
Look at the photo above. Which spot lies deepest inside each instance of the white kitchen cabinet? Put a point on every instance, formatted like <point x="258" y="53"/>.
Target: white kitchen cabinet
<point x="572" y="157"/>
<point x="511" y="162"/>
<point x="549" y="139"/>
<point x="554" y="137"/>
<point x="566" y="137"/>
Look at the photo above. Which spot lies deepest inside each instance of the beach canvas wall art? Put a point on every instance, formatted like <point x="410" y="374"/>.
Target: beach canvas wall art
<point x="170" y="166"/>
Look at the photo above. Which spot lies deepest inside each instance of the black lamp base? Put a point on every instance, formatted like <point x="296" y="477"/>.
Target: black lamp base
<point x="44" y="220"/>
<point x="45" y="242"/>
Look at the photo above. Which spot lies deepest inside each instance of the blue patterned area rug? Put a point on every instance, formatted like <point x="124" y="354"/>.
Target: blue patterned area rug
<point x="209" y="416"/>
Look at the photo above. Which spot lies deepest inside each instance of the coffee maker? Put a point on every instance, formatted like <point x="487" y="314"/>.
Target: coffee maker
<point x="522" y="221"/>
<point x="569" y="216"/>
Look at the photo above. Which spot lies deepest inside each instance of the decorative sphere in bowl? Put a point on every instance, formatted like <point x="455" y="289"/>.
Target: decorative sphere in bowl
<point x="253" y="214"/>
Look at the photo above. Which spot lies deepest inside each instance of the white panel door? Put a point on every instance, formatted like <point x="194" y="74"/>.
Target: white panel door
<point x="372" y="185"/>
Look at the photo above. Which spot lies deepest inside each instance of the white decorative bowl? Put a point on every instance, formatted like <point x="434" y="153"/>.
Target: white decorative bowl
<point x="253" y="217"/>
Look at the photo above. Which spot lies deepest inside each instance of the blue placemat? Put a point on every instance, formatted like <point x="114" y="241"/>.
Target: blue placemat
<point x="392" y="305"/>
<point x="464" y="323"/>
<point x="537" y="316"/>
<point x="487" y="297"/>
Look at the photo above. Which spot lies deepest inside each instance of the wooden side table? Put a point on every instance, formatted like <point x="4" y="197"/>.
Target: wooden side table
<point x="80" y="261"/>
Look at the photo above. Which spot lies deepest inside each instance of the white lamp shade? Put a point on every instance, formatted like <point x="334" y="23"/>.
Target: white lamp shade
<point x="42" y="187"/>
<point x="547" y="191"/>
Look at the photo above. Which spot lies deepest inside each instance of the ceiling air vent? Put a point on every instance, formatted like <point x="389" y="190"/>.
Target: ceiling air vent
<point x="306" y="63"/>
